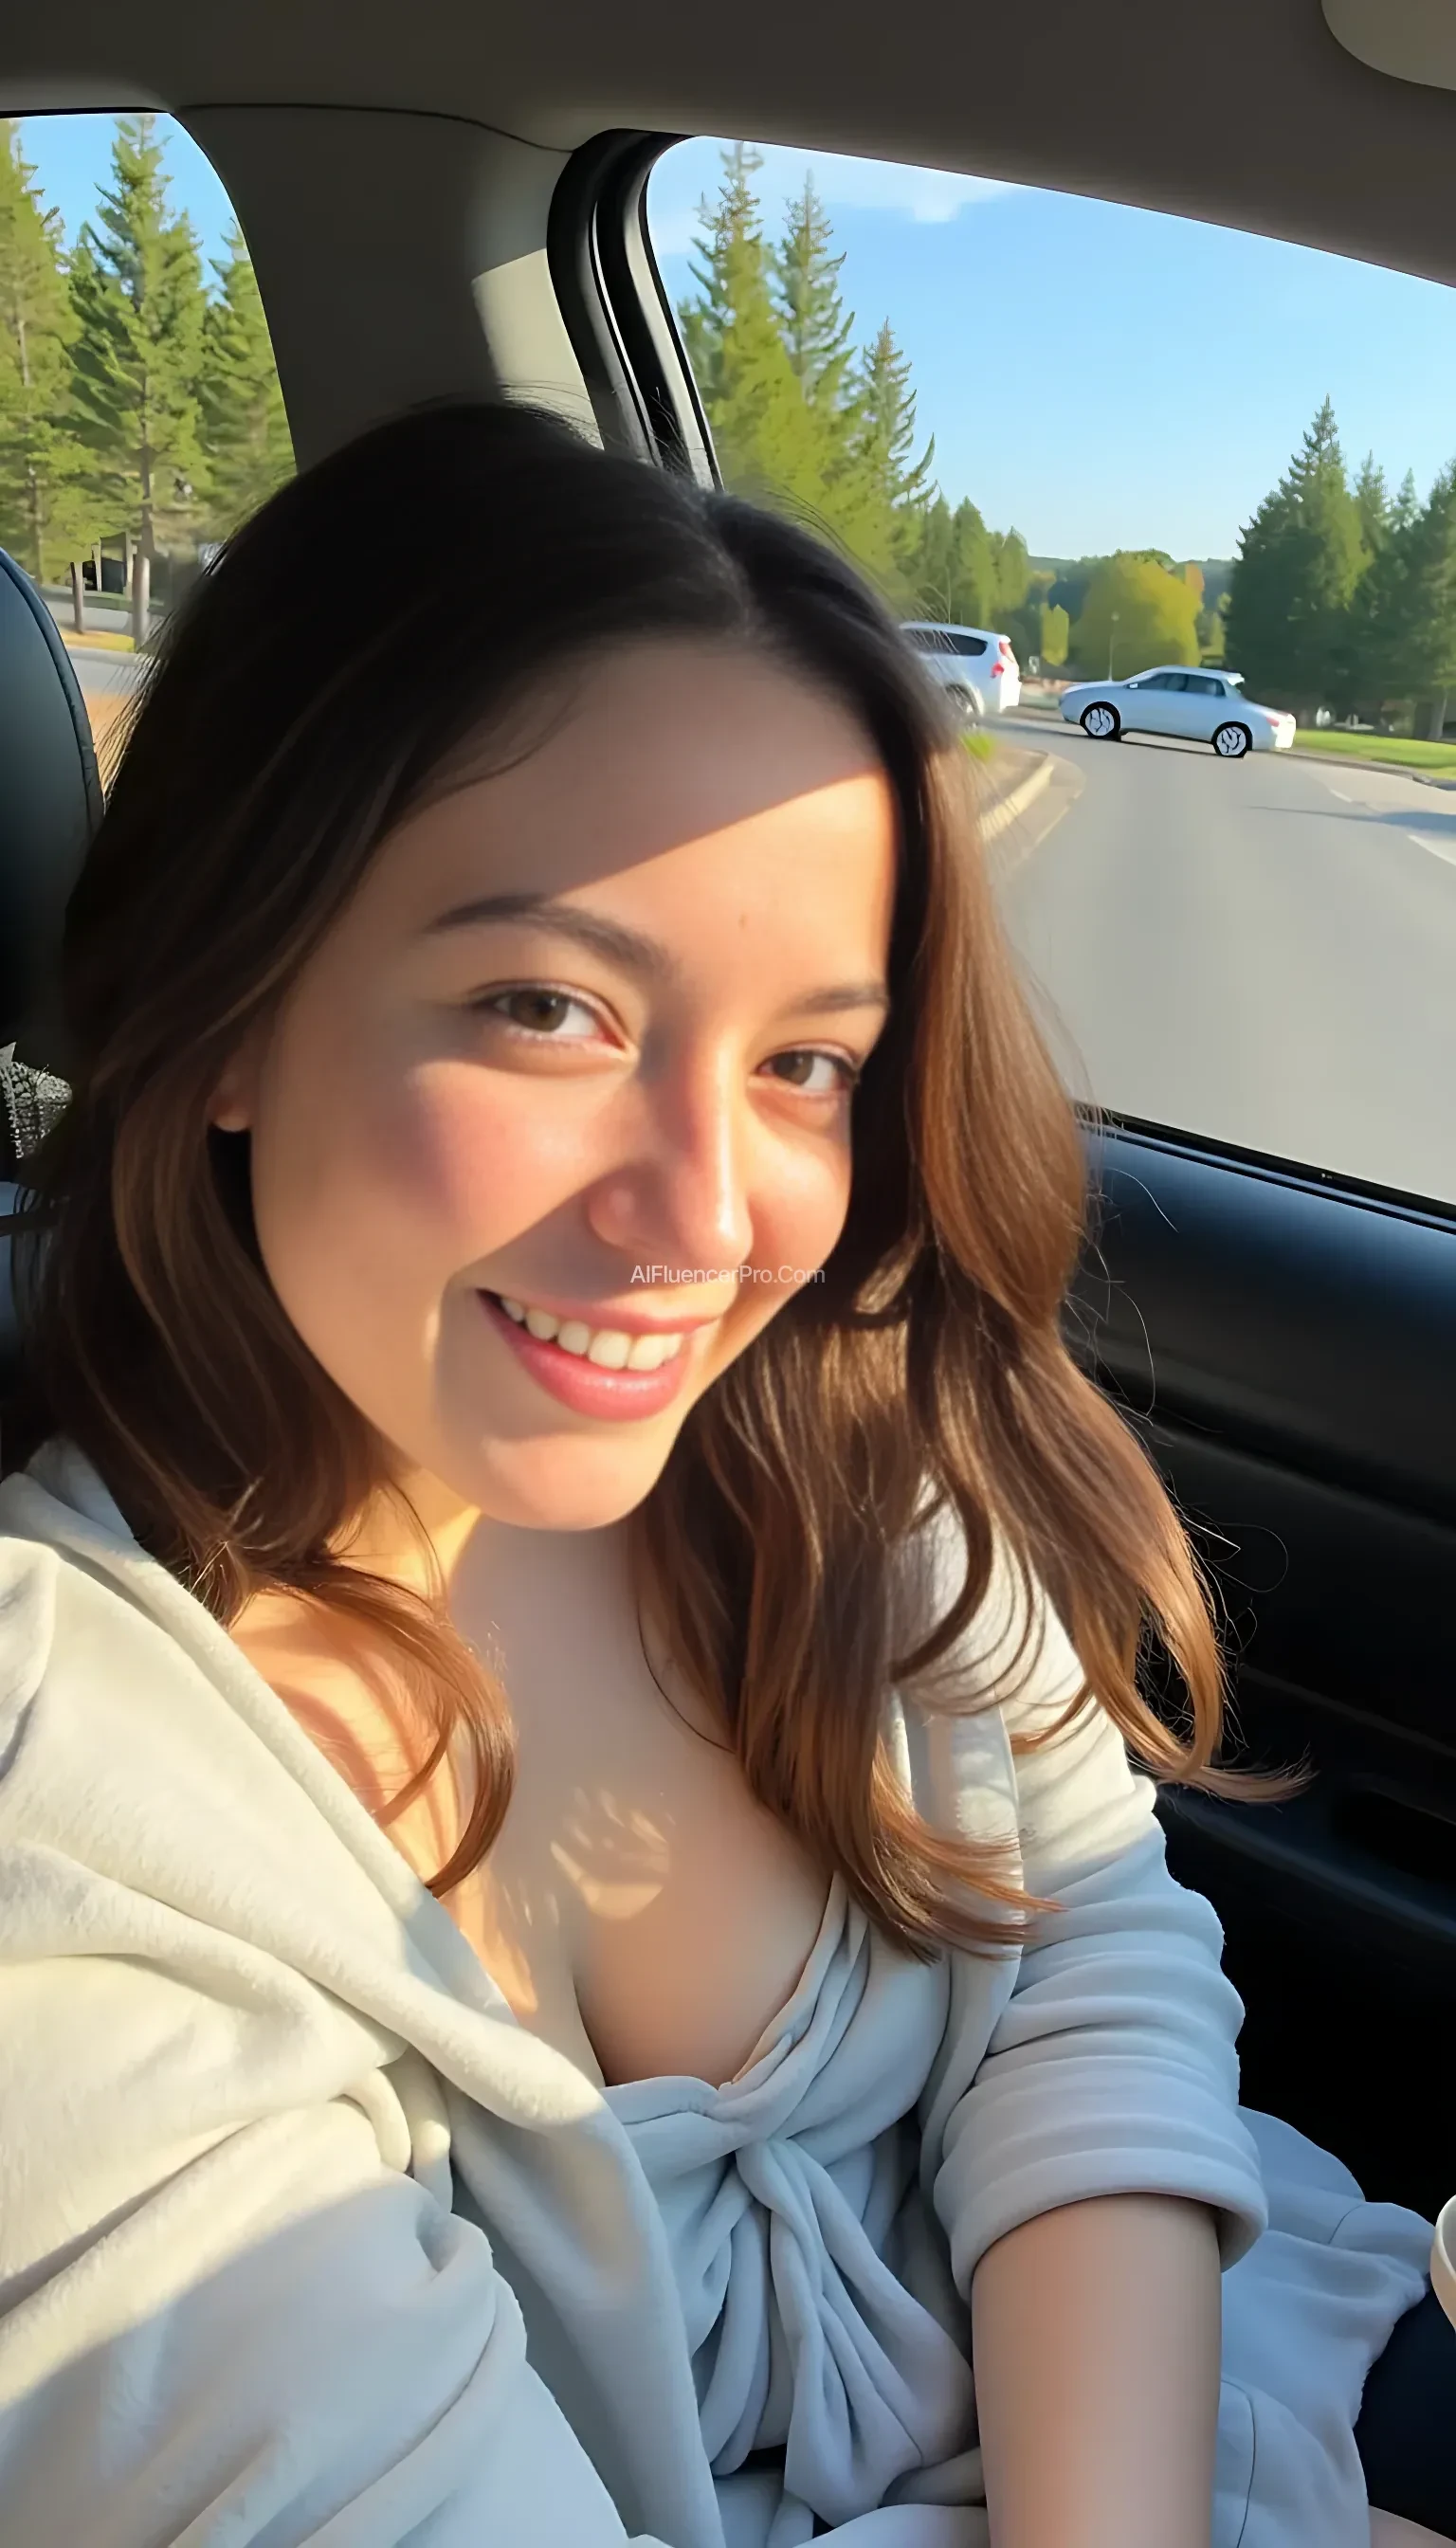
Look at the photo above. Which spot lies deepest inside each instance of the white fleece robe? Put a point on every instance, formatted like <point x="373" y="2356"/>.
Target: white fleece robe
<point x="304" y="2238"/>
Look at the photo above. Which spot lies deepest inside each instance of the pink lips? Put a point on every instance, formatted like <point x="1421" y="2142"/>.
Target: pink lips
<point x="586" y="1387"/>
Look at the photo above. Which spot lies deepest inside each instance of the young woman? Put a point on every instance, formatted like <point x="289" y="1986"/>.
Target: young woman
<point x="582" y="1955"/>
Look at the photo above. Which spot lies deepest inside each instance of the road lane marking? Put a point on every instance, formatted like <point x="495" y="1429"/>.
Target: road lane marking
<point x="1340" y="792"/>
<point x="1439" y="849"/>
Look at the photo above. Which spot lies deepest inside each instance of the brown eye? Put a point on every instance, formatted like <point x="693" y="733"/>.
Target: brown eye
<point x="540" y="1010"/>
<point x="535" y="1009"/>
<point x="794" y="1069"/>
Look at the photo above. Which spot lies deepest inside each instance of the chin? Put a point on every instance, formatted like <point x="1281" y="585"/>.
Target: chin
<point x="570" y="1484"/>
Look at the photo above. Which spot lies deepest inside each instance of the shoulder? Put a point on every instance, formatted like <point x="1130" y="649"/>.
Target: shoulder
<point x="1005" y="1738"/>
<point x="29" y="1594"/>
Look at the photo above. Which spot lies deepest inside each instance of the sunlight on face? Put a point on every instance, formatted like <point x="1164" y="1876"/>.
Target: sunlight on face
<point x="633" y="1109"/>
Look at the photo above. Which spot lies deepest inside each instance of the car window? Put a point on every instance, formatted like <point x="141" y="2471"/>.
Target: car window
<point x="945" y="641"/>
<point x="1231" y="453"/>
<point x="140" y="414"/>
<point x="1204" y="684"/>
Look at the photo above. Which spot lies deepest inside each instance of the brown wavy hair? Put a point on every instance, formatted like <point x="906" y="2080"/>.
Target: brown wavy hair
<point x="380" y="618"/>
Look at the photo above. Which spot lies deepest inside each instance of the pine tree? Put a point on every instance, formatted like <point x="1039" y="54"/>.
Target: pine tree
<point x="48" y="512"/>
<point x="1373" y="507"/>
<point x="1300" y="561"/>
<point x="1012" y="573"/>
<point x="817" y="330"/>
<point x="755" y="409"/>
<point x="1421" y="627"/>
<point x="137" y="292"/>
<point x="897" y="485"/>
<point x="954" y="565"/>
<point x="244" y="427"/>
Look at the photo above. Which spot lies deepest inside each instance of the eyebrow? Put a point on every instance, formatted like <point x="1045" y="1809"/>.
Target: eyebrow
<point x="629" y="949"/>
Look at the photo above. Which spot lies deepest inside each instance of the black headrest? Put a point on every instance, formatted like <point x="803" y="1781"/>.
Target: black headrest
<point x="50" y="804"/>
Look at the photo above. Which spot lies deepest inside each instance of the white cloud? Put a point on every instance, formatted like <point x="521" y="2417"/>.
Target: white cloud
<point x="688" y="173"/>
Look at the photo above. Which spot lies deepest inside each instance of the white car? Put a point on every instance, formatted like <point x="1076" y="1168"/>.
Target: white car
<point x="977" y="665"/>
<point x="1203" y="706"/>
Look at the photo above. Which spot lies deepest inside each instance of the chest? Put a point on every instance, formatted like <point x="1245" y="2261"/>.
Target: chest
<point x="639" y="1909"/>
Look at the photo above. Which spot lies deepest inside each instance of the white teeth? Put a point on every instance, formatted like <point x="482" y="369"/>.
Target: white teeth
<point x="649" y="1353"/>
<point x="610" y="1348"/>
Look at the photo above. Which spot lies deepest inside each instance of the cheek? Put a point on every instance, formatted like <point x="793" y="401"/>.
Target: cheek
<point x="798" y="1211"/>
<point x="424" y="1169"/>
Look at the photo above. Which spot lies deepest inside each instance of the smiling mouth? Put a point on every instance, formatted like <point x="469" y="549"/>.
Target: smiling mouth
<point x="608" y="1348"/>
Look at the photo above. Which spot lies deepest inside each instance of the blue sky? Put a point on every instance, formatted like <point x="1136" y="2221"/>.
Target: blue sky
<point x="1096" y="376"/>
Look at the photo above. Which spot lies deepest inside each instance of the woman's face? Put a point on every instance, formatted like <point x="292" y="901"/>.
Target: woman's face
<point x="584" y="1044"/>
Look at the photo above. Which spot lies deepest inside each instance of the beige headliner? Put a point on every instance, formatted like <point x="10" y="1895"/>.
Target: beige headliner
<point x="1244" y="110"/>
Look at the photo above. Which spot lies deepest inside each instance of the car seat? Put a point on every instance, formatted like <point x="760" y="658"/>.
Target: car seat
<point x="49" y="805"/>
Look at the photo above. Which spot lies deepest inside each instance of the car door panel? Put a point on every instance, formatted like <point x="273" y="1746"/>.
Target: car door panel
<point x="1204" y="706"/>
<point x="1286" y="1352"/>
<point x="1158" y="709"/>
<point x="1141" y="708"/>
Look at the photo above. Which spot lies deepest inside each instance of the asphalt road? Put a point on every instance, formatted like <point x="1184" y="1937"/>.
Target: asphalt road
<point x="103" y="673"/>
<point x="1264" y="950"/>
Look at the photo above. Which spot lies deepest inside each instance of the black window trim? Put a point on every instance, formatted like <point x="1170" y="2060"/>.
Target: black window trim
<point x="615" y="309"/>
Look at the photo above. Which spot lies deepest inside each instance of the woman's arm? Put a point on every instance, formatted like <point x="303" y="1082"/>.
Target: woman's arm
<point x="1082" y="2142"/>
<point x="1096" y="2344"/>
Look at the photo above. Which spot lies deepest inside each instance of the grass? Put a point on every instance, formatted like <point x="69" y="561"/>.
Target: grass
<point x="1402" y="751"/>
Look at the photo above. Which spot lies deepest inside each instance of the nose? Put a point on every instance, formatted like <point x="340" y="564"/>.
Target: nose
<point x="681" y="1197"/>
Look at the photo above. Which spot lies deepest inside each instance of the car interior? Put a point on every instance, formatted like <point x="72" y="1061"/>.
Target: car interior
<point x="454" y="203"/>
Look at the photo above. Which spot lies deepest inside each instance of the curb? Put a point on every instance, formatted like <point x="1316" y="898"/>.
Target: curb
<point x="1005" y="809"/>
<point x="1391" y="769"/>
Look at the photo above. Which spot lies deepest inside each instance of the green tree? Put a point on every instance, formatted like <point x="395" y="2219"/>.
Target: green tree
<point x="1069" y="591"/>
<point x="1413" y="619"/>
<point x="137" y="292"/>
<point x="1300" y="561"/>
<point x="244" y="427"/>
<point x="48" y="510"/>
<point x="1010" y="575"/>
<point x="1374" y="510"/>
<point x="884" y="438"/>
<point x="846" y="496"/>
<point x="953" y="567"/>
<point x="1209" y="628"/>
<point x="1135" y="613"/>
<point x="794" y="423"/>
<point x="818" y="331"/>
<point x="756" y="407"/>
<point x="1055" y="634"/>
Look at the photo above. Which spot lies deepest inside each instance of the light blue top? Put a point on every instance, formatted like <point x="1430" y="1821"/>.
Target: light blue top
<point x="304" y="2238"/>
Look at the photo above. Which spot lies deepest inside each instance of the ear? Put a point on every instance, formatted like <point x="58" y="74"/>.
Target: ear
<point x="234" y="1099"/>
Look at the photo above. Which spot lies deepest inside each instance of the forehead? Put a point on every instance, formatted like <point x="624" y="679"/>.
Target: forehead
<point x="652" y="757"/>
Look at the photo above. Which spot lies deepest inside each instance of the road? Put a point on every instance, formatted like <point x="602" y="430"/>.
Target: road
<point x="1264" y="950"/>
<point x="105" y="673"/>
